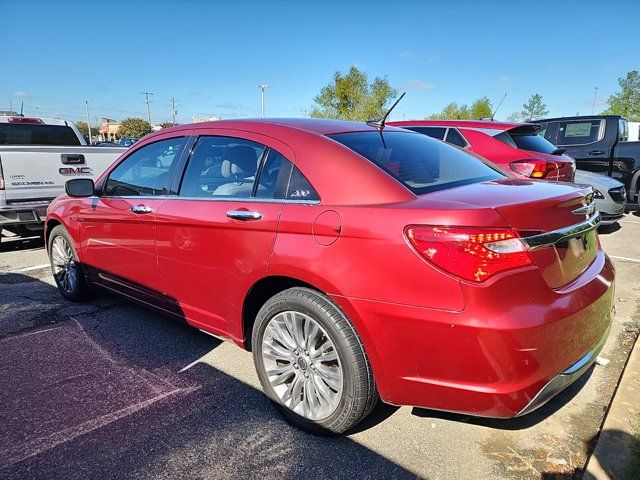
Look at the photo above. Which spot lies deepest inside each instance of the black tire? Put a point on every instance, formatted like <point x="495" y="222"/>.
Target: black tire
<point x="80" y="290"/>
<point x="358" y="395"/>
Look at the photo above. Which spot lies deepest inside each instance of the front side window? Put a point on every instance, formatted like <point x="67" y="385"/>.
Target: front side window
<point x="579" y="132"/>
<point x="420" y="163"/>
<point x="145" y="171"/>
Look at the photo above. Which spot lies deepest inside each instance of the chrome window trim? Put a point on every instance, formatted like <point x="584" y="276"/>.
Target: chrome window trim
<point x="212" y="199"/>
<point x="601" y="131"/>
<point x="550" y="238"/>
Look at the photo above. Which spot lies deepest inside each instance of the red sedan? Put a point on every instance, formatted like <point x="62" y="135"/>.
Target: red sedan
<point x="514" y="146"/>
<point x="355" y="263"/>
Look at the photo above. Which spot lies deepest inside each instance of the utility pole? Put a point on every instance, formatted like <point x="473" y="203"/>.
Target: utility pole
<point x="262" y="87"/>
<point x="146" y="99"/>
<point x="10" y="105"/>
<point x="593" y="108"/>
<point x="174" y="112"/>
<point x="86" y="104"/>
<point x="37" y="109"/>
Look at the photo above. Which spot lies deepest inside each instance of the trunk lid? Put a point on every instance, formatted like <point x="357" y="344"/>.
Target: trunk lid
<point x="535" y="209"/>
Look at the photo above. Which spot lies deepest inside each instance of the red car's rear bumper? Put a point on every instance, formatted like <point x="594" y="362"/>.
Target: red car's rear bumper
<point x="515" y="345"/>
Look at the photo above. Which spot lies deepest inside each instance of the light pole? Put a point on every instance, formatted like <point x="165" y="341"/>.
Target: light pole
<point x="173" y="110"/>
<point x="262" y="87"/>
<point x="593" y="107"/>
<point x="86" y="104"/>
<point x="146" y="99"/>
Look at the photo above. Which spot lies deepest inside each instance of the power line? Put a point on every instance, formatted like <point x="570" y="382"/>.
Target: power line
<point x="146" y="98"/>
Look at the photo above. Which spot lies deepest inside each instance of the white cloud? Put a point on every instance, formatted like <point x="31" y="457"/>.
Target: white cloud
<point x="418" y="85"/>
<point x="408" y="54"/>
<point x="20" y="95"/>
<point x="506" y="79"/>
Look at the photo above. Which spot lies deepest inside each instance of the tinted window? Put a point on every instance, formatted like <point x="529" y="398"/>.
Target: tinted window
<point x="526" y="141"/>
<point x="433" y="132"/>
<point x="274" y="176"/>
<point x="420" y="163"/>
<point x="222" y="167"/>
<point x="27" y="134"/>
<point x="145" y="171"/>
<point x="454" y="138"/>
<point x="579" y="132"/>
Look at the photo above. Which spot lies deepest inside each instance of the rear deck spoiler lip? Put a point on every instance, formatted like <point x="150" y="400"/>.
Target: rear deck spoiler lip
<point x="551" y="238"/>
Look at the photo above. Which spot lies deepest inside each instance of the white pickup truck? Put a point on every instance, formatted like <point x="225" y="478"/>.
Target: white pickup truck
<point x="37" y="157"/>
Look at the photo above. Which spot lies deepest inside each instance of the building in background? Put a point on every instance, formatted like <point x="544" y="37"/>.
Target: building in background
<point x="109" y="130"/>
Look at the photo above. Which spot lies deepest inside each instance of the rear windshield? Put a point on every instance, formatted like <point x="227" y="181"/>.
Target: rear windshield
<point x="419" y="162"/>
<point x="29" y="134"/>
<point x="526" y="141"/>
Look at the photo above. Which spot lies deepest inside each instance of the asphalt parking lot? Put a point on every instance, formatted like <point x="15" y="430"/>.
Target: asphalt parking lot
<point x="106" y="389"/>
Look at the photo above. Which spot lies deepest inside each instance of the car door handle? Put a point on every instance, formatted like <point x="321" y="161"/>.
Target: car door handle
<point x="244" y="215"/>
<point x="141" y="209"/>
<point x="596" y="152"/>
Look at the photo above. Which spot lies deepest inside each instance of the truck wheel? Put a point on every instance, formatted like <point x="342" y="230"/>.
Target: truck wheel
<point x="67" y="271"/>
<point x="311" y="363"/>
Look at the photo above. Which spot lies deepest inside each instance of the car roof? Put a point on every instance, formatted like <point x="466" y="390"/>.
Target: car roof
<point x="321" y="126"/>
<point x="484" y="124"/>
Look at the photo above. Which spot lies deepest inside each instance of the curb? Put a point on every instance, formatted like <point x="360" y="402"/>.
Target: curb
<point x="614" y="450"/>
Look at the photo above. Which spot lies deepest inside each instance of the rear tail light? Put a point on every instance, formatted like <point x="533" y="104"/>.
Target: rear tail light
<point x="470" y="253"/>
<point x="534" y="168"/>
<point x="24" y="120"/>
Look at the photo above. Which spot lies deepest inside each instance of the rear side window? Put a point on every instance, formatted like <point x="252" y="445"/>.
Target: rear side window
<point x="433" y="132"/>
<point x="31" y="134"/>
<point x="579" y="132"/>
<point x="454" y="138"/>
<point x="420" y="163"/>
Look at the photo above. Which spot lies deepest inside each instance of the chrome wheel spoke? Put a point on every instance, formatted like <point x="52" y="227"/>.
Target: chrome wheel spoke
<point x="64" y="266"/>
<point x="302" y="365"/>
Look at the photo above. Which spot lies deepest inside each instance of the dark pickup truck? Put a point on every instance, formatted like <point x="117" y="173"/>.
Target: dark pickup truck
<point x="599" y="144"/>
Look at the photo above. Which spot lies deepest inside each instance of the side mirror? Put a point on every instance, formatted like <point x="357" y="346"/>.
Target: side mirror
<point x="80" y="187"/>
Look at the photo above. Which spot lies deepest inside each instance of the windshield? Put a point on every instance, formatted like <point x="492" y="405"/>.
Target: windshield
<point x="526" y="141"/>
<point x="419" y="162"/>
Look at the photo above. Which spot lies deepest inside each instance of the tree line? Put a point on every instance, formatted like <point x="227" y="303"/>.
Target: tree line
<point x="351" y="96"/>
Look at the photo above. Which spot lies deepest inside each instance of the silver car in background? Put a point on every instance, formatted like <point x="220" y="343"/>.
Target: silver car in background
<point x="610" y="195"/>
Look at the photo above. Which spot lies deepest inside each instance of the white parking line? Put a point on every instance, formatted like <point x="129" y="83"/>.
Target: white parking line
<point x="629" y="221"/>
<point x="625" y="259"/>
<point x="25" y="269"/>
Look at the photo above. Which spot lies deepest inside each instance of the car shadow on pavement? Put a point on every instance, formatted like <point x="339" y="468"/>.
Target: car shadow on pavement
<point x="607" y="229"/>
<point x="104" y="393"/>
<point x="11" y="244"/>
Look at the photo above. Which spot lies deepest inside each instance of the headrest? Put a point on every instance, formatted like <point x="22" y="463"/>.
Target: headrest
<point x="239" y="161"/>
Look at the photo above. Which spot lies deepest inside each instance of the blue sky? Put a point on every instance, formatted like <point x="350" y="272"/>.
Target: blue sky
<point x="211" y="55"/>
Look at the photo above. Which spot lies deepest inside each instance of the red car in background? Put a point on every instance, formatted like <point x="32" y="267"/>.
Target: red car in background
<point x="356" y="262"/>
<point x="513" y="146"/>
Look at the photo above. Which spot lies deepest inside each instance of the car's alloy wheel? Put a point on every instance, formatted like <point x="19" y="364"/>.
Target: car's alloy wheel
<point x="64" y="266"/>
<point x="302" y="365"/>
<point x="67" y="270"/>
<point x="311" y="362"/>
